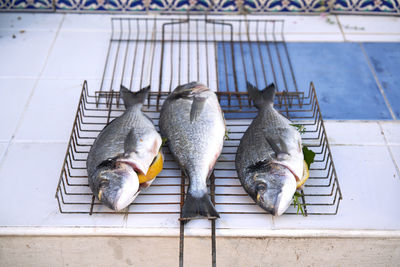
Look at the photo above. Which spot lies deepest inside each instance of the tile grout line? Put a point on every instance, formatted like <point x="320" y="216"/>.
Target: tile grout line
<point x="390" y="150"/>
<point x="358" y="145"/>
<point x="340" y="27"/>
<point x="378" y="82"/>
<point x="31" y="93"/>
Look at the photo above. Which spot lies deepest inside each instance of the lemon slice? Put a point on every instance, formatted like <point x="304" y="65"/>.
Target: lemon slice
<point x="306" y="174"/>
<point x="154" y="169"/>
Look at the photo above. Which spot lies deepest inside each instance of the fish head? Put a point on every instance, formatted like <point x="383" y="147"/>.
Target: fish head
<point x="117" y="185"/>
<point x="274" y="189"/>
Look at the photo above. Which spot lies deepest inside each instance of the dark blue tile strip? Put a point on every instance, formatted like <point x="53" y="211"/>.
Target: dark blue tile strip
<point x="385" y="59"/>
<point x="29" y="5"/>
<point x="217" y="6"/>
<point x="345" y="85"/>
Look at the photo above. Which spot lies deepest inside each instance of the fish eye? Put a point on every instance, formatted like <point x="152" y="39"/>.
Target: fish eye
<point x="104" y="182"/>
<point x="261" y="187"/>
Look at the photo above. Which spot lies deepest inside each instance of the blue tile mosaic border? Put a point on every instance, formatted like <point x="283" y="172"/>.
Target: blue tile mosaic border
<point x="101" y="5"/>
<point x="385" y="6"/>
<point x="286" y="5"/>
<point x="213" y="6"/>
<point x="28" y="5"/>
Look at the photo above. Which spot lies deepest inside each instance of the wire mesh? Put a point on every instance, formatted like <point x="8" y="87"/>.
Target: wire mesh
<point x="321" y="192"/>
<point x="223" y="55"/>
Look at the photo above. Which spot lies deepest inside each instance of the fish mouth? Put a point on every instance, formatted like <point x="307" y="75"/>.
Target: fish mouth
<point x="136" y="167"/>
<point x="127" y="191"/>
<point x="276" y="195"/>
<point x="122" y="186"/>
<point x="279" y="206"/>
<point x="288" y="168"/>
<point x="126" y="195"/>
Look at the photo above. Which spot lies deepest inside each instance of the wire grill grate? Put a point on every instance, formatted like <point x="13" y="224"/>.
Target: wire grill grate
<point x="223" y="55"/>
<point x="321" y="192"/>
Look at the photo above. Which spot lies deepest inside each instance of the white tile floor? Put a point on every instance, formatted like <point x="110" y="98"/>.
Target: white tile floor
<point x="392" y="132"/>
<point x="14" y="95"/>
<point x="3" y="147"/>
<point x="52" y="102"/>
<point x="41" y="72"/>
<point x="24" y="55"/>
<point x="357" y="28"/>
<point x="310" y="29"/>
<point x="396" y="154"/>
<point x="354" y="133"/>
<point x="83" y="53"/>
<point x="30" y="21"/>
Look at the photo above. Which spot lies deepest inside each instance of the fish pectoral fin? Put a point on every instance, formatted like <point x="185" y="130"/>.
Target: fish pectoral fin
<point x="280" y="153"/>
<point x="259" y="165"/>
<point x="197" y="107"/>
<point x="131" y="141"/>
<point x="282" y="156"/>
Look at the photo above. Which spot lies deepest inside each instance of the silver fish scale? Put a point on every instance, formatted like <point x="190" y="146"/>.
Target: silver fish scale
<point x="254" y="146"/>
<point x="196" y="145"/>
<point x="110" y="142"/>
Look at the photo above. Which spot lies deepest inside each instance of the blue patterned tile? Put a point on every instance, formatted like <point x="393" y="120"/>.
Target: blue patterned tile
<point x="30" y="5"/>
<point x="213" y="6"/>
<point x="101" y="5"/>
<point x="194" y="5"/>
<point x="169" y="5"/>
<point x="362" y="6"/>
<point x="286" y="5"/>
<point x="227" y="5"/>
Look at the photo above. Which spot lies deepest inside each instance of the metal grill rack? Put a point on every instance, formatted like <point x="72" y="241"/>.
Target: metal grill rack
<point x="223" y="55"/>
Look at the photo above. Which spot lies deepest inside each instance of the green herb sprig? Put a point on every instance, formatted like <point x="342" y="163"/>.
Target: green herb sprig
<point x="296" y="203"/>
<point x="227" y="133"/>
<point x="299" y="128"/>
<point x="163" y="141"/>
<point x="309" y="156"/>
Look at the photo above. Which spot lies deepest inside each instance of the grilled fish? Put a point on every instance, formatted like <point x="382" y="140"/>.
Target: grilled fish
<point x="269" y="158"/>
<point x="125" y="154"/>
<point x="192" y="121"/>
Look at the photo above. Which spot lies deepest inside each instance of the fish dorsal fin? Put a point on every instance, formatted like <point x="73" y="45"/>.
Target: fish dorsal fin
<point x="133" y="98"/>
<point x="197" y="107"/>
<point x="188" y="86"/>
<point x="261" y="98"/>
<point x="188" y="90"/>
<point x="280" y="153"/>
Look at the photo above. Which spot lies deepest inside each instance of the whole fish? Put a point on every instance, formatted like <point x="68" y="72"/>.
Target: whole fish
<point x="269" y="158"/>
<point x="123" y="153"/>
<point x="192" y="121"/>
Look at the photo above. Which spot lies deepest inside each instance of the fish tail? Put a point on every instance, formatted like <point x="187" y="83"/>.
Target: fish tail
<point x="134" y="98"/>
<point x="263" y="97"/>
<point x="198" y="207"/>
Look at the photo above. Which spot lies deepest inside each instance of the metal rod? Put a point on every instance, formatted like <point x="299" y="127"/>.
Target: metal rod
<point x="182" y="223"/>
<point x="134" y="55"/>
<point x="213" y="235"/>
